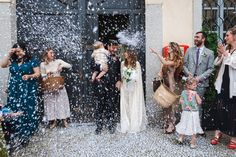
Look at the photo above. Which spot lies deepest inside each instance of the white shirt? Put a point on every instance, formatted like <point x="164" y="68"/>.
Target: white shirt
<point x="200" y="52"/>
<point x="52" y="67"/>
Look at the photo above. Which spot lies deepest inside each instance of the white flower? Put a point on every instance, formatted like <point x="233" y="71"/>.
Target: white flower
<point x="128" y="74"/>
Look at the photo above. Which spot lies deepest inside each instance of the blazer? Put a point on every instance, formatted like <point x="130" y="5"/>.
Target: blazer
<point x="205" y="64"/>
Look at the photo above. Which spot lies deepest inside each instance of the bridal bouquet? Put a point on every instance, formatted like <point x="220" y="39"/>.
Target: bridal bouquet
<point x="128" y="74"/>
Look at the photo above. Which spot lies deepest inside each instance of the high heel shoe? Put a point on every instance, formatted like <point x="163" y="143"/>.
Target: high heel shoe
<point x="216" y="139"/>
<point x="231" y="145"/>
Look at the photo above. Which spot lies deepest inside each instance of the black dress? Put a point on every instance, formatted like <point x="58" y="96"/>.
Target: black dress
<point x="226" y="108"/>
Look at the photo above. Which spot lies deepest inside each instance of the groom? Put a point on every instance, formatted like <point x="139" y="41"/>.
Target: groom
<point x="106" y="92"/>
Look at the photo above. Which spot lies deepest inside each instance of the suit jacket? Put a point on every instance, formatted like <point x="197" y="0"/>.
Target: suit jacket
<point x="205" y="64"/>
<point x="113" y="75"/>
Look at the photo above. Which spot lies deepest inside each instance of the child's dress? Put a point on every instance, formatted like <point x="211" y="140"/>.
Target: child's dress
<point x="190" y="122"/>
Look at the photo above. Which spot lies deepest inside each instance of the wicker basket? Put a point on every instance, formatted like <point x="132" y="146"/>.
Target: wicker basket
<point x="53" y="83"/>
<point x="164" y="96"/>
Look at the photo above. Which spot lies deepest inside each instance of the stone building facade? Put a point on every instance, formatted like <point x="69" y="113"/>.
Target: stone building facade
<point x="165" y="21"/>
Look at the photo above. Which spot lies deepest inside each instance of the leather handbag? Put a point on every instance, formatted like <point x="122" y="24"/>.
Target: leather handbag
<point x="164" y="96"/>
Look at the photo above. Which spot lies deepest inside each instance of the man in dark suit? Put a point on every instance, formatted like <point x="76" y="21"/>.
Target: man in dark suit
<point x="106" y="93"/>
<point x="199" y="63"/>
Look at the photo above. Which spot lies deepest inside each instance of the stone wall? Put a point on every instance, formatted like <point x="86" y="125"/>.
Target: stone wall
<point x="7" y="38"/>
<point x="154" y="39"/>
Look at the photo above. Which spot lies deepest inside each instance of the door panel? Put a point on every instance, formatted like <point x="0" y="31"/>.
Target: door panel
<point x="70" y="27"/>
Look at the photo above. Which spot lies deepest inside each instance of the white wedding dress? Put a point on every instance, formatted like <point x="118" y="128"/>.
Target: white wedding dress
<point x="132" y="106"/>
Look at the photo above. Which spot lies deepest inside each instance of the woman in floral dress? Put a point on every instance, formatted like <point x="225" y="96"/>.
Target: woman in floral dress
<point x="22" y="94"/>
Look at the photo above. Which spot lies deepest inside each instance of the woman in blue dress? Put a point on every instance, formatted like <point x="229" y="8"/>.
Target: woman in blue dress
<point x="22" y="94"/>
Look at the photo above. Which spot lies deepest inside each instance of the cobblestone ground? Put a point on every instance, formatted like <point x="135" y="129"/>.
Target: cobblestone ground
<point x="79" y="140"/>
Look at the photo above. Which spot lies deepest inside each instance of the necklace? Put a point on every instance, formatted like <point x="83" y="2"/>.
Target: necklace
<point x="231" y="52"/>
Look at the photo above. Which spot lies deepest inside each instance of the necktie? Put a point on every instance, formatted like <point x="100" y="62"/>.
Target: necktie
<point x="197" y="55"/>
<point x="197" y="58"/>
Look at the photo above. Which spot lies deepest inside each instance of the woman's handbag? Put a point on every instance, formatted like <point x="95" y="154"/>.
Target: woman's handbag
<point x="53" y="83"/>
<point x="156" y="83"/>
<point x="164" y="96"/>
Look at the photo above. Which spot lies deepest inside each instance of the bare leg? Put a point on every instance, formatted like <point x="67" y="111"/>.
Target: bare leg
<point x="217" y="133"/>
<point x="169" y="120"/>
<point x="100" y="75"/>
<point x="94" y="75"/>
<point x="193" y="141"/>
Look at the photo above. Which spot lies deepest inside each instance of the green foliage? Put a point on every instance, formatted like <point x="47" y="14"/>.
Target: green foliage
<point x="211" y="43"/>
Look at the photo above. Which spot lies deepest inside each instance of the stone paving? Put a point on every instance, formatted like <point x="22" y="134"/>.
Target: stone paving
<point x="79" y="140"/>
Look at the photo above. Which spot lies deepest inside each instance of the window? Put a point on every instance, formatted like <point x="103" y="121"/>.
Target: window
<point x="219" y="16"/>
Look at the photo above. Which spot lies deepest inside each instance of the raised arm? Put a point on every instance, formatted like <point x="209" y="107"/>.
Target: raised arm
<point x="5" y="62"/>
<point x="162" y="59"/>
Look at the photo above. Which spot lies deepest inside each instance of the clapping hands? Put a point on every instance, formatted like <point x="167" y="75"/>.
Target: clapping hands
<point x="220" y="49"/>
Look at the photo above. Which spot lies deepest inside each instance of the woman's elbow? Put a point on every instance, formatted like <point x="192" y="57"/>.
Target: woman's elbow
<point x="3" y="66"/>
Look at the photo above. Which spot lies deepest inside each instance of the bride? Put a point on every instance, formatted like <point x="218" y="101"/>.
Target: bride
<point x="132" y="106"/>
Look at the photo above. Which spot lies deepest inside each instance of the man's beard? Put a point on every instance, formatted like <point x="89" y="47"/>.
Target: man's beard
<point x="198" y="43"/>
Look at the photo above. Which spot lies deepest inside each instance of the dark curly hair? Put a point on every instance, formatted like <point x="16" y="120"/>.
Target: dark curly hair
<point x="21" y="45"/>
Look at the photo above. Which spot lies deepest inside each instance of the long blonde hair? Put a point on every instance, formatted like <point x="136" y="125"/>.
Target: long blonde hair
<point x="45" y="55"/>
<point x="233" y="32"/>
<point x="133" y="58"/>
<point x="177" y="58"/>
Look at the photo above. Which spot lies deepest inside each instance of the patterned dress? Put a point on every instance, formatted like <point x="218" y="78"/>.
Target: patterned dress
<point x="22" y="96"/>
<point x="190" y="122"/>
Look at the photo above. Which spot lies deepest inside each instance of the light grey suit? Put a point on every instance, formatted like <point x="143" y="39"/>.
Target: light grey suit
<point x="205" y="65"/>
